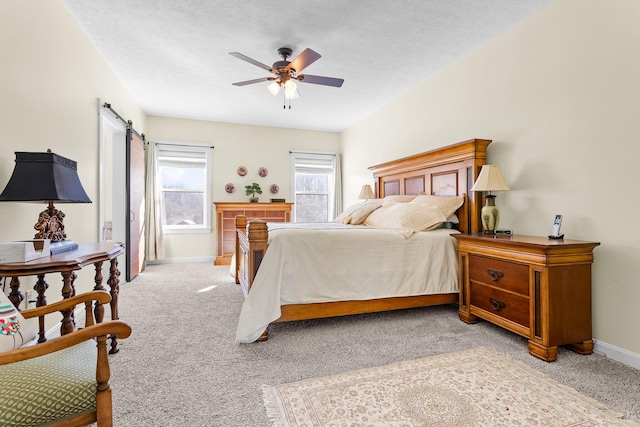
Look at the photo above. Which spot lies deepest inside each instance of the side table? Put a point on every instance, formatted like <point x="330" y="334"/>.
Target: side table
<point x="66" y="263"/>
<point x="537" y="287"/>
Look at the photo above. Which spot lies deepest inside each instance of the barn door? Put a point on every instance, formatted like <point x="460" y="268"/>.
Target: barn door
<point x="135" y="251"/>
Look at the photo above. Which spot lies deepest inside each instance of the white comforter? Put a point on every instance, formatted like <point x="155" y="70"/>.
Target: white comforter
<point x="335" y="262"/>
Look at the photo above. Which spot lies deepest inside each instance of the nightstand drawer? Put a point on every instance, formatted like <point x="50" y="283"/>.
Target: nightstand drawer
<point x="506" y="275"/>
<point x="500" y="303"/>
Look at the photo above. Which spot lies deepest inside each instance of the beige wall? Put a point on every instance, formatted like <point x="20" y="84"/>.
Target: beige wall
<point x="558" y="94"/>
<point x="50" y="79"/>
<point x="237" y="145"/>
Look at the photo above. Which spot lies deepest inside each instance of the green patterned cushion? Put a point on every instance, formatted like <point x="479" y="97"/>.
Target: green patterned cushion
<point x="54" y="387"/>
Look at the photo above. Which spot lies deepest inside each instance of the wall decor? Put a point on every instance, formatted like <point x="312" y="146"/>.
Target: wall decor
<point x="229" y="188"/>
<point x="242" y="170"/>
<point x="274" y="189"/>
<point x="263" y="172"/>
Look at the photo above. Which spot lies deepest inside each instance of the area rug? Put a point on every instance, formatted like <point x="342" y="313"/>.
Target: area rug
<point x="476" y="387"/>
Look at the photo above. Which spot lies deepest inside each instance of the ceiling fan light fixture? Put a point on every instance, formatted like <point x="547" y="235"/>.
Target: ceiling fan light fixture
<point x="291" y="95"/>
<point x="290" y="85"/>
<point x="274" y="88"/>
<point x="285" y="73"/>
<point x="291" y="90"/>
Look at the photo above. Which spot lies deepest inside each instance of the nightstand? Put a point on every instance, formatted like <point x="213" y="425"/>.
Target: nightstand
<point x="537" y="287"/>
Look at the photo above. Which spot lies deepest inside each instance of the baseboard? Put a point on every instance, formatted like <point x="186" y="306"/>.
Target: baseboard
<point x="616" y="353"/>
<point x="181" y="260"/>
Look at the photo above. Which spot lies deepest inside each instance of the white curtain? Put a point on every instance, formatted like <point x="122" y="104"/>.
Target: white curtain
<point x="154" y="238"/>
<point x="337" y="185"/>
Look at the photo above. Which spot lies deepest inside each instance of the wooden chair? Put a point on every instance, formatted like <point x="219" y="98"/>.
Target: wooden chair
<point x="63" y="381"/>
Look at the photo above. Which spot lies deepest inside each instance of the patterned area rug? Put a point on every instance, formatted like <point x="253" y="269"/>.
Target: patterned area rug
<point x="477" y="387"/>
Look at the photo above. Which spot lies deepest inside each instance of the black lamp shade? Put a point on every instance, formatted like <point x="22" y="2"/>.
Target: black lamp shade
<point x="44" y="177"/>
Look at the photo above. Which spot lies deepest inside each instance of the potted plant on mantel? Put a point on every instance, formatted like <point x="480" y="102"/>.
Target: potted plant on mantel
<point x="252" y="190"/>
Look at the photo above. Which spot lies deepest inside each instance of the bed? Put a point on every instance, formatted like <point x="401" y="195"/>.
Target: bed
<point x="379" y="265"/>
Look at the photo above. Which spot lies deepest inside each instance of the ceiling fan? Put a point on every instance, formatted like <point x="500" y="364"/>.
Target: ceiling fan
<point x="286" y="73"/>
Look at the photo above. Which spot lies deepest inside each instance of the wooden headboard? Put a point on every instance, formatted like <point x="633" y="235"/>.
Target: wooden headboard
<point x="446" y="171"/>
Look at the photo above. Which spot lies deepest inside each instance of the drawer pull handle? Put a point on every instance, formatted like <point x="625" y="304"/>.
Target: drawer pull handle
<point x="495" y="275"/>
<point x="497" y="304"/>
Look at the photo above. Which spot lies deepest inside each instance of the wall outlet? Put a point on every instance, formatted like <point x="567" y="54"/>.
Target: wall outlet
<point x="107" y="231"/>
<point x="30" y="299"/>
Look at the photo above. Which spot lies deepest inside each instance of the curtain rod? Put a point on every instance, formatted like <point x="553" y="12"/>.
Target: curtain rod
<point x="182" y="145"/>
<point x="326" y="153"/>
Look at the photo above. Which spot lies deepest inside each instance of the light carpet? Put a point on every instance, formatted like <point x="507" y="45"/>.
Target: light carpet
<point x="475" y="387"/>
<point x="181" y="366"/>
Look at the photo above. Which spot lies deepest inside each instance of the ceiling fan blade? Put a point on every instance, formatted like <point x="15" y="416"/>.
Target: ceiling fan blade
<point x="250" y="82"/>
<point x="250" y="61"/>
<point x="306" y="58"/>
<point x="320" y="80"/>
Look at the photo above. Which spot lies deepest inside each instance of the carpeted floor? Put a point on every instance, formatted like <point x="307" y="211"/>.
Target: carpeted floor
<point x="181" y="366"/>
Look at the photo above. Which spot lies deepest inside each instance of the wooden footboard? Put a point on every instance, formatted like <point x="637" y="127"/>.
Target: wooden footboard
<point x="251" y="245"/>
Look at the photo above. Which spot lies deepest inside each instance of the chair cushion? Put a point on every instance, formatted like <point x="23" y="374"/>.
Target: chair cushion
<point x="50" y="388"/>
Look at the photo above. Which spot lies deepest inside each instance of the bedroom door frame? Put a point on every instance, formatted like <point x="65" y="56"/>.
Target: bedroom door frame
<point x="112" y="211"/>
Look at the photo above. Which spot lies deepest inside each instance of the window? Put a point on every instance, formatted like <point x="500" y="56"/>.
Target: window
<point x="316" y="183"/>
<point x="184" y="176"/>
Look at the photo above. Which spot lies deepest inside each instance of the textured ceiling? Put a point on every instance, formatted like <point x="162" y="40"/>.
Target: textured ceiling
<point x="173" y="55"/>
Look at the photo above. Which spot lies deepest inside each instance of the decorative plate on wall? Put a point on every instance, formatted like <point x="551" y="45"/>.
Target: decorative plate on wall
<point x="274" y="189"/>
<point x="229" y="188"/>
<point x="242" y="170"/>
<point x="263" y="172"/>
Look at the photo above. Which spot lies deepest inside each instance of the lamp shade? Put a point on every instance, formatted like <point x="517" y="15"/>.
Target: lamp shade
<point x="366" y="192"/>
<point x="291" y="90"/>
<point x="490" y="179"/>
<point x="274" y="88"/>
<point x="44" y="177"/>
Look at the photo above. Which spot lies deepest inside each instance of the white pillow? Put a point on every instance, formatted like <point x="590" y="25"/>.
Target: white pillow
<point x="399" y="198"/>
<point x="356" y="214"/>
<point x="447" y="204"/>
<point x="407" y="218"/>
<point x="14" y="331"/>
<point x="360" y="215"/>
<point x="347" y="212"/>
